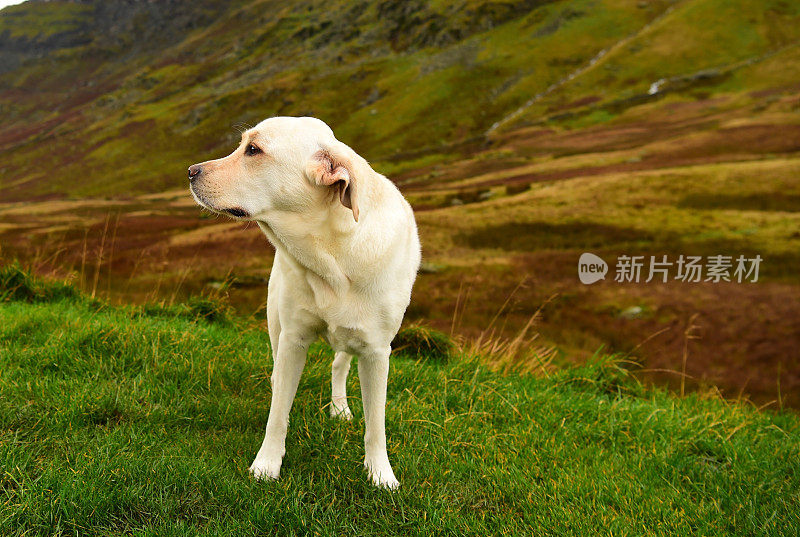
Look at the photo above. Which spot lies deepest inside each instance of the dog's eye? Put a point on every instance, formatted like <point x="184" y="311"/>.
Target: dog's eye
<point x="251" y="150"/>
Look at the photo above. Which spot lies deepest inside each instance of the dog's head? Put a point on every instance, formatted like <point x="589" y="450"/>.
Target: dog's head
<point x="292" y="164"/>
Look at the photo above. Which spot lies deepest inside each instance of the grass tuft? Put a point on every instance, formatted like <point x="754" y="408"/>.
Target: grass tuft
<point x="18" y="284"/>
<point x="418" y="341"/>
<point x="197" y="308"/>
<point x="603" y="374"/>
<point x="214" y="310"/>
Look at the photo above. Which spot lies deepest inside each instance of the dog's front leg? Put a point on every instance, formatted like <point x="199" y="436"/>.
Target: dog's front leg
<point x="289" y="362"/>
<point x="373" y="372"/>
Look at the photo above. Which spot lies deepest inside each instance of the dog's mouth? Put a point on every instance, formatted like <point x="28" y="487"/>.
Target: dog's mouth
<point x="236" y="212"/>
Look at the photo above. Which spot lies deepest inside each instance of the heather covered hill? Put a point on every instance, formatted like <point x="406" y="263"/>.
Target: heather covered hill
<point x="119" y="95"/>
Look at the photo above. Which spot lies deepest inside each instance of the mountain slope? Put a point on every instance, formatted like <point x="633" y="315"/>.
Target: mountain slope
<point x="117" y="97"/>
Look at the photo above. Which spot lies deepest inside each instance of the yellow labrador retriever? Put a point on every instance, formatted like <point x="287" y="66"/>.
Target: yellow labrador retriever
<point x="346" y="256"/>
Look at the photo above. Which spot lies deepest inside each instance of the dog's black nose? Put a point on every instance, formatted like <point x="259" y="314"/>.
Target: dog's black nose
<point x="194" y="172"/>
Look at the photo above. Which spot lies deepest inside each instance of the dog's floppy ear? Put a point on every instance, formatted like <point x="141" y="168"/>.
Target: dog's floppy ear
<point x="333" y="168"/>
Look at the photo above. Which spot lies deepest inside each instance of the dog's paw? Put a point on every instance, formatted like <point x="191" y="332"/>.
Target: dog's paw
<point x="264" y="469"/>
<point x="381" y="474"/>
<point x="341" y="412"/>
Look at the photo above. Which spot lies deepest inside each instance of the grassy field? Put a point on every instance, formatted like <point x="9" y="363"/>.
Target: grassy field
<point x="143" y="420"/>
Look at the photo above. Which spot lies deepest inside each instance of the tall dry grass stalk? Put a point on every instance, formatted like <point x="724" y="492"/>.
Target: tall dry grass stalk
<point x="100" y="257"/>
<point x="459" y="303"/>
<point x="688" y="334"/>
<point x="83" y="257"/>
<point x="519" y="353"/>
<point x="111" y="254"/>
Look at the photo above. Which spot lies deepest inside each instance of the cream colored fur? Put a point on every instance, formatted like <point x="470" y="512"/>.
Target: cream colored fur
<point x="346" y="256"/>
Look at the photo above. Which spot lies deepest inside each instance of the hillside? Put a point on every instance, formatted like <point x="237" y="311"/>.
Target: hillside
<point x="120" y="420"/>
<point x="120" y="96"/>
<point x="523" y="133"/>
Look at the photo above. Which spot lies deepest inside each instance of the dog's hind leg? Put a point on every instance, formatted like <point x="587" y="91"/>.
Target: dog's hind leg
<point x="339" y="371"/>
<point x="373" y="372"/>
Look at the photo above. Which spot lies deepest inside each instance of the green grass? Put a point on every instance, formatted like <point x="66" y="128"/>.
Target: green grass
<point x="120" y="420"/>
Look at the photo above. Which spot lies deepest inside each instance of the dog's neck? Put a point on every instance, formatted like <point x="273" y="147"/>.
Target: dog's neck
<point x="322" y="241"/>
<point x="309" y="251"/>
